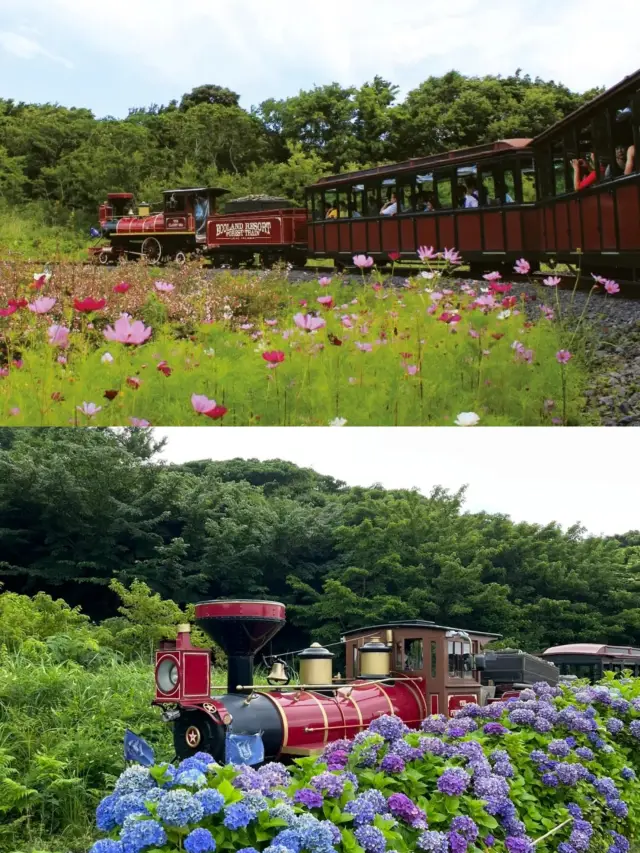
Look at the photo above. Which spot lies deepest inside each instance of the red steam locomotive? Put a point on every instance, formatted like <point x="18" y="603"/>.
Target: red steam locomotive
<point x="410" y="669"/>
<point x="570" y="195"/>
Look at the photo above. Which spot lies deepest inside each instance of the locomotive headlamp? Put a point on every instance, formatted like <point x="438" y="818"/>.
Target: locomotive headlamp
<point x="167" y="675"/>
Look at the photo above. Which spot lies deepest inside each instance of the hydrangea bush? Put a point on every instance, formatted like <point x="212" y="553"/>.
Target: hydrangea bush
<point x="555" y="769"/>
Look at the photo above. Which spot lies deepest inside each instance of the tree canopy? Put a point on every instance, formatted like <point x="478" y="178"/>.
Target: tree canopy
<point x="82" y="509"/>
<point x="69" y="159"/>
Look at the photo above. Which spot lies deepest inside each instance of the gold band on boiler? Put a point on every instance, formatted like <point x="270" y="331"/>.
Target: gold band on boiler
<point x="324" y="716"/>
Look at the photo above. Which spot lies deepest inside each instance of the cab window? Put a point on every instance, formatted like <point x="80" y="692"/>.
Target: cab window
<point x="460" y="659"/>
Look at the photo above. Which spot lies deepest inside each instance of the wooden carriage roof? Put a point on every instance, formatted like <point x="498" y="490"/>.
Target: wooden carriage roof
<point x="629" y="82"/>
<point x="460" y="155"/>
<point x="416" y="623"/>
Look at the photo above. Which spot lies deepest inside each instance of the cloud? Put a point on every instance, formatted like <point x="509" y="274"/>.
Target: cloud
<point x="274" y="49"/>
<point x="26" y="48"/>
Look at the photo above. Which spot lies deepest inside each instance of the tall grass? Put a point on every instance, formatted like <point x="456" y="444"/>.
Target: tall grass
<point x="383" y="357"/>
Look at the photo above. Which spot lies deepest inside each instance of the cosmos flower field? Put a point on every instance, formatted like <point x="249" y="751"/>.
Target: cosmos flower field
<point x="181" y="346"/>
<point x="555" y="770"/>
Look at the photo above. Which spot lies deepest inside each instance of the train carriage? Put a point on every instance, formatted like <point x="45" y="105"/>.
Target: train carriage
<point x="593" y="660"/>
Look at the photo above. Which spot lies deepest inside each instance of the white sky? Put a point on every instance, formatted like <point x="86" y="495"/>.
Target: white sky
<point x="111" y="55"/>
<point x="590" y="476"/>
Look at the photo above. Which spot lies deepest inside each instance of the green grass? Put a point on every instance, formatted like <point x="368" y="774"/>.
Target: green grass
<point x="419" y="370"/>
<point x="30" y="234"/>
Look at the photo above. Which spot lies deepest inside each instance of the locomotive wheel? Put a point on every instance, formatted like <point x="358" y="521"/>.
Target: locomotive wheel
<point x="152" y="250"/>
<point x="195" y="732"/>
<point x="104" y="258"/>
<point x="180" y="258"/>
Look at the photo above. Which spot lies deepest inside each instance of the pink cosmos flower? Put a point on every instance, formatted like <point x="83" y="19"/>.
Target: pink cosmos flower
<point x="276" y="357"/>
<point x="612" y="287"/>
<point x="58" y="336"/>
<point x="432" y="309"/>
<point x="246" y="327"/>
<point x="436" y="297"/>
<point x="134" y="382"/>
<point x="89" y="409"/>
<point x="325" y="281"/>
<point x="204" y="406"/>
<point x="126" y="332"/>
<point x="347" y="323"/>
<point x="492" y="276"/>
<point x="363" y="262"/>
<point x="564" y="357"/>
<point x="42" y="305"/>
<point x="164" y="286"/>
<point x="326" y="301"/>
<point x="412" y="369"/>
<point x="549" y="313"/>
<point x="271" y="322"/>
<point x="309" y="323"/>
<point x="62" y="359"/>
<point x="452" y="256"/>
<point x="552" y="281"/>
<point x="364" y="347"/>
<point x="475" y="335"/>
<point x="427" y="253"/>
<point x="139" y="422"/>
<point x="487" y="302"/>
<point x="549" y="405"/>
<point x="14" y="412"/>
<point x="522" y="267"/>
<point x="599" y="279"/>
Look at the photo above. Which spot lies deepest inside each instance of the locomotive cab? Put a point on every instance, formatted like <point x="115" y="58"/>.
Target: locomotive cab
<point x="189" y="209"/>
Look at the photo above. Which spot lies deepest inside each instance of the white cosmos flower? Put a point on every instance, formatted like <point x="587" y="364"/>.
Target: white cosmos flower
<point x="107" y="358"/>
<point x="468" y="419"/>
<point x="338" y="422"/>
<point x="504" y="316"/>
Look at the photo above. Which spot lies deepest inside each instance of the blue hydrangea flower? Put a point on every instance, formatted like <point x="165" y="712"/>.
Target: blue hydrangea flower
<point x="211" y="801"/>
<point x="180" y="808"/>
<point x="371" y="839"/>
<point x="199" y="841"/>
<point x="237" y="816"/>
<point x="309" y="798"/>
<point x="366" y="806"/>
<point x="130" y="804"/>
<point x="433" y="842"/>
<point x="628" y="774"/>
<point x="205" y="758"/>
<point x="106" y="845"/>
<point x="389" y="727"/>
<point x="105" y="813"/>
<point x="134" y="780"/>
<point x="614" y="725"/>
<point x="192" y="778"/>
<point x="142" y="833"/>
<point x="256" y="803"/>
<point x="288" y="838"/>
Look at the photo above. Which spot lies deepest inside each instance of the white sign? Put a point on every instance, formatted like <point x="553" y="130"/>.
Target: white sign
<point x="243" y="229"/>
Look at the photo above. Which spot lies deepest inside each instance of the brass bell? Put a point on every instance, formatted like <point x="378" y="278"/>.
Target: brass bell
<point x="278" y="674"/>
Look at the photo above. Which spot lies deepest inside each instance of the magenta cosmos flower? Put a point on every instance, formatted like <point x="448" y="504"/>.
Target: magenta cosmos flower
<point x="126" y="332"/>
<point x="58" y="336"/>
<point x="564" y="357"/>
<point x="42" y="305"/>
<point x="309" y="323"/>
<point x="363" y="262"/>
<point x="612" y="287"/>
<point x="326" y="301"/>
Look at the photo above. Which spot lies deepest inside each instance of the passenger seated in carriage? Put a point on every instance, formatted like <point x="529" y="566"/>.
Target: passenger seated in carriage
<point x="584" y="172"/>
<point x="390" y="208"/>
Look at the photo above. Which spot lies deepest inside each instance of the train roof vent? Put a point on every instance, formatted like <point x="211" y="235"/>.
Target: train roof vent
<point x="257" y="203"/>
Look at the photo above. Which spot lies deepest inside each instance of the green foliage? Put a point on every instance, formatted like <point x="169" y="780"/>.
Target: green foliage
<point x="66" y="157"/>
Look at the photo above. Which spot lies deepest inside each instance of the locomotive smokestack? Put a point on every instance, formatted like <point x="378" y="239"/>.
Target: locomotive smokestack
<point x="241" y="628"/>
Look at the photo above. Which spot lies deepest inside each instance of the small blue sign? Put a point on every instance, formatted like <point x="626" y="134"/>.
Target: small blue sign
<point x="137" y="749"/>
<point x="94" y="232"/>
<point x="244" y="749"/>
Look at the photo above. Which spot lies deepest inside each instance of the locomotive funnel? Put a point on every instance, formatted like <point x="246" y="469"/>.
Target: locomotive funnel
<point x="241" y="628"/>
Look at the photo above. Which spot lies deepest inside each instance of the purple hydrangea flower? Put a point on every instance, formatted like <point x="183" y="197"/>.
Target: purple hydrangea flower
<point x="522" y="717"/>
<point x="466" y="827"/>
<point x="453" y="782"/>
<point x="495" y="729"/>
<point x="309" y="798"/>
<point x="457" y="843"/>
<point x="366" y="806"/>
<point x="614" y="726"/>
<point x="392" y="764"/>
<point x="406" y="810"/>
<point x="628" y="774"/>
<point x="519" y="845"/>
<point x="560" y="748"/>
<point x="436" y="725"/>
<point x="634" y="728"/>
<point x="389" y="727"/>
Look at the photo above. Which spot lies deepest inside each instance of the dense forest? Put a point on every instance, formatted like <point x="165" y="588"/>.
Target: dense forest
<point x="67" y="159"/>
<point x="79" y="509"/>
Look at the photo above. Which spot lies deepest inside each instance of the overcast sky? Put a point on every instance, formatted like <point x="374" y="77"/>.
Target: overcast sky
<point x="109" y="56"/>
<point x="590" y="476"/>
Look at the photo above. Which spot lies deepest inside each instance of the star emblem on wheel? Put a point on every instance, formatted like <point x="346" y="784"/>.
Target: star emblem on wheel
<point x="193" y="736"/>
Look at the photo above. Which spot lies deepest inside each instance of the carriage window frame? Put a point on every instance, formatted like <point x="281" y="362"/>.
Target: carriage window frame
<point x="357" y="191"/>
<point x="443" y="177"/>
<point x="460" y="175"/>
<point x="418" y="189"/>
<point x="376" y="187"/>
